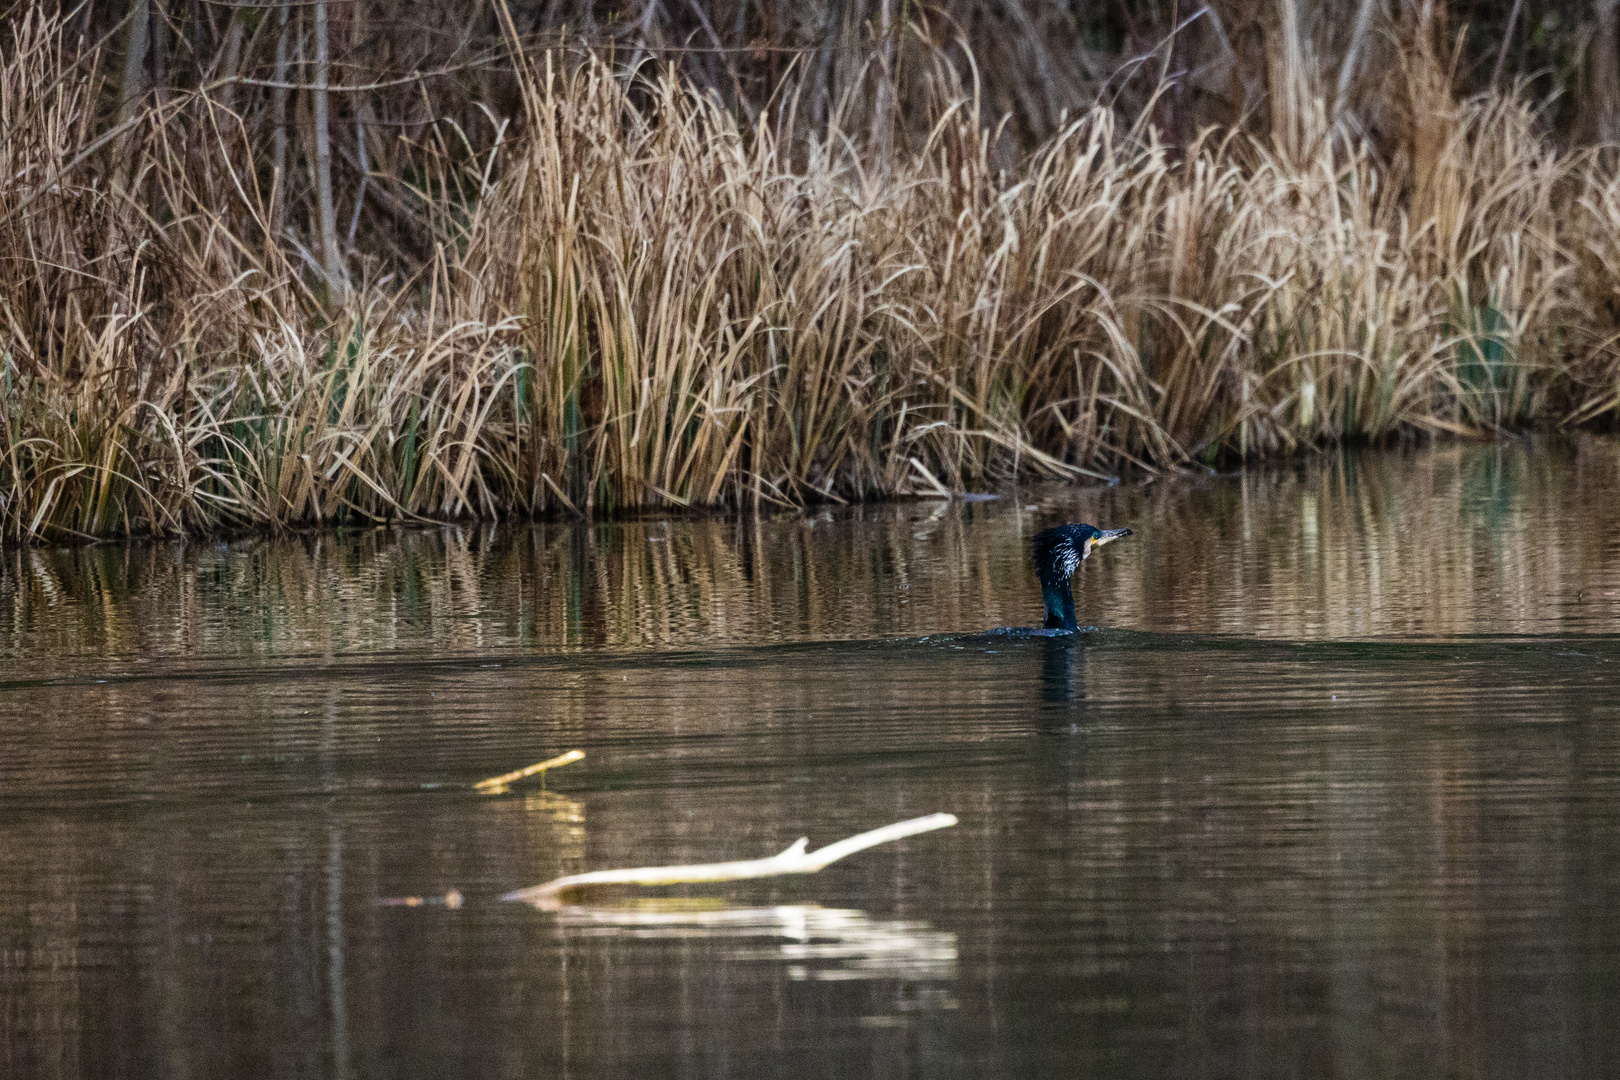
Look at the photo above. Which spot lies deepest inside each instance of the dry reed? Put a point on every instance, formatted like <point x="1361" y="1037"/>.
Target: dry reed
<point x="632" y="300"/>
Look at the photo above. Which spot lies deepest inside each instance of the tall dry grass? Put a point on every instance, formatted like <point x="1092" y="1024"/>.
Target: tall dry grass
<point x="632" y="300"/>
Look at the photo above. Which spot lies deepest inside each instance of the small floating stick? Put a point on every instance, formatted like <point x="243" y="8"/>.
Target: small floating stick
<point x="497" y="784"/>
<point x="452" y="900"/>
<point x="795" y="860"/>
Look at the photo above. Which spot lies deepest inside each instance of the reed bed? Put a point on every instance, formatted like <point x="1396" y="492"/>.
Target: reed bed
<point x="634" y="300"/>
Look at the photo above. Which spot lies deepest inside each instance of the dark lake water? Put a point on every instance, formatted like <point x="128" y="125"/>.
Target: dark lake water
<point x="1334" y="793"/>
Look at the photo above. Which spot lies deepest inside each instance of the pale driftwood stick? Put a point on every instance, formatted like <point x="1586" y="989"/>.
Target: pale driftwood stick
<point x="795" y="860"/>
<point x="452" y="900"/>
<point x="499" y="783"/>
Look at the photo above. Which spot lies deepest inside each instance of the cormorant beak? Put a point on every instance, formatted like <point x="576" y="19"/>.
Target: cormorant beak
<point x="1106" y="536"/>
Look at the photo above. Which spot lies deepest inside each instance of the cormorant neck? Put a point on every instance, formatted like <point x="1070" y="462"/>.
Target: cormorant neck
<point x="1059" y="605"/>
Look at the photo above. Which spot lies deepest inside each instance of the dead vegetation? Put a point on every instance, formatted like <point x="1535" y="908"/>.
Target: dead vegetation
<point x="628" y="294"/>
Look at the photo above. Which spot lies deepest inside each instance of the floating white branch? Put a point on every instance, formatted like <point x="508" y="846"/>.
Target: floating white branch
<point x="795" y="860"/>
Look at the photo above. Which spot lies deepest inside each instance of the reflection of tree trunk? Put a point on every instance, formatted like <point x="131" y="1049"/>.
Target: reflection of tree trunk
<point x="333" y="264"/>
<point x="1604" y="60"/>
<point x="278" y="119"/>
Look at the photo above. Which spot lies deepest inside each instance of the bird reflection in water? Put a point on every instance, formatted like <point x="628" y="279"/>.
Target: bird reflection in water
<point x="1063" y="685"/>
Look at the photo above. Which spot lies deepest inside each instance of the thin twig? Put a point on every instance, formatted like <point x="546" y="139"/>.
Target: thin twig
<point x="500" y="783"/>
<point x="1507" y="36"/>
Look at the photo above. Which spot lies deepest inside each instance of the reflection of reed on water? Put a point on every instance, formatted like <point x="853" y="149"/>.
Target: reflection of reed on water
<point x="1452" y="540"/>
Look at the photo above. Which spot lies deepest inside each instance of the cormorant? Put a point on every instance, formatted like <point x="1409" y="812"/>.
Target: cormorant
<point x="1059" y="551"/>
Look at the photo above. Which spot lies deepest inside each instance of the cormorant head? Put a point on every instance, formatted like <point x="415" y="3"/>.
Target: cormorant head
<point x="1059" y="551"/>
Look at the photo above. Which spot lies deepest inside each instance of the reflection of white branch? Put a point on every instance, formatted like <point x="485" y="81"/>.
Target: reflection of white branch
<point x="823" y="944"/>
<point x="795" y="860"/>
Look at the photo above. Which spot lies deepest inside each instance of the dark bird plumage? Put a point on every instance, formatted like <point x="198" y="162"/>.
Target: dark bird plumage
<point x="1059" y="551"/>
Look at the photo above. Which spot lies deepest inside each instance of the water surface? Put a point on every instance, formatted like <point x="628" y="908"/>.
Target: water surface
<point x="1333" y="791"/>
